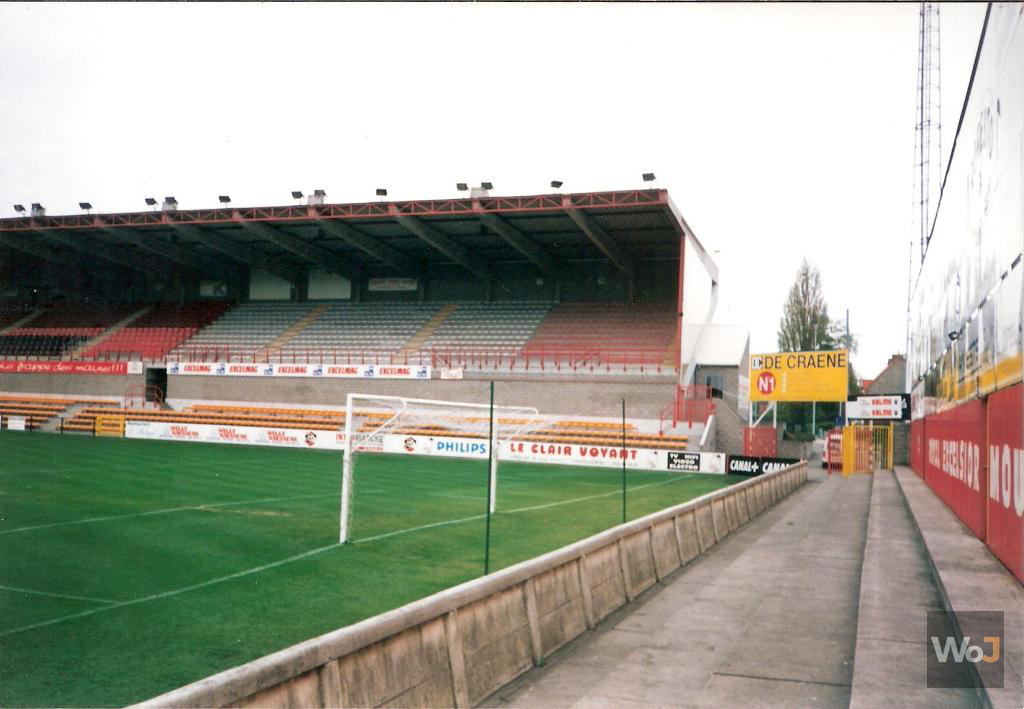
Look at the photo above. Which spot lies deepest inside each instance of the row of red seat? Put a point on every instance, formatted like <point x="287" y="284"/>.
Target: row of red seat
<point x="159" y="331"/>
<point x="646" y="331"/>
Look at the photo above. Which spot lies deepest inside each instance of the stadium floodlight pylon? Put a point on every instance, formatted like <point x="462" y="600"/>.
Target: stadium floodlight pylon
<point x="383" y="415"/>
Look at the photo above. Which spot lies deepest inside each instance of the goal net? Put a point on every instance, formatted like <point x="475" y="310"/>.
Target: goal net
<point x="442" y="436"/>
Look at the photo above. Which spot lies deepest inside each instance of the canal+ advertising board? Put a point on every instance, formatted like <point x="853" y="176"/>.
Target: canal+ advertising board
<point x="799" y="376"/>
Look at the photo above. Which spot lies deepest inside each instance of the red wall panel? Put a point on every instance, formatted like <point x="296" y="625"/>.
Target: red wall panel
<point x="917" y="446"/>
<point x="760" y="441"/>
<point x="955" y="464"/>
<point x="1006" y="477"/>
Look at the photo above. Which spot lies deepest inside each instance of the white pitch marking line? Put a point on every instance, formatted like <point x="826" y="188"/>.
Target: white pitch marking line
<point x="168" y="594"/>
<point x="56" y="595"/>
<point x="162" y="512"/>
<point x="312" y="552"/>
<point x="531" y="508"/>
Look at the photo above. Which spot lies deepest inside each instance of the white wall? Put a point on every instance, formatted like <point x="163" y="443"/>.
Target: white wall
<point x="324" y="285"/>
<point x="266" y="286"/>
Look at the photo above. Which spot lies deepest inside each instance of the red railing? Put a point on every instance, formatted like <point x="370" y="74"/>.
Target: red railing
<point x="557" y="359"/>
<point x="691" y="403"/>
<point x="149" y="394"/>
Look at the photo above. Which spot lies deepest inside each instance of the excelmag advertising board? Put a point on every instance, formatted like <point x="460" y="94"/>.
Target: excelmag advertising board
<point x="799" y="376"/>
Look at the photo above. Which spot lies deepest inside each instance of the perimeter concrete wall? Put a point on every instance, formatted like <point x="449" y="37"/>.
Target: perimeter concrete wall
<point x="549" y="395"/>
<point x="82" y="384"/>
<point x="457" y="647"/>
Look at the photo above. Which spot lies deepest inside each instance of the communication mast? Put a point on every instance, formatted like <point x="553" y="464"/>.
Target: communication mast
<point x="927" y="143"/>
<point x="928" y="131"/>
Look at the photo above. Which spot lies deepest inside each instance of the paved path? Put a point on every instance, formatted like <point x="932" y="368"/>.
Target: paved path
<point x="769" y="618"/>
<point x="897" y="591"/>
<point x="972" y="579"/>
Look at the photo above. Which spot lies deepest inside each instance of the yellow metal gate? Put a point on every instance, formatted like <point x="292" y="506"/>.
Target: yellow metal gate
<point x="867" y="447"/>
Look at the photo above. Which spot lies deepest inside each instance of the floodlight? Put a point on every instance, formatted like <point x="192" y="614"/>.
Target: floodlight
<point x="319" y="193"/>
<point x="381" y="192"/>
<point x="38" y="210"/>
<point x="296" y="194"/>
<point x="224" y="199"/>
<point x="486" y="186"/>
<point x="171" y="200"/>
<point x="85" y="205"/>
<point x="648" y="177"/>
<point x="151" y="201"/>
<point x="36" y="206"/>
<point x="556" y="183"/>
<point x="461" y="186"/>
<point x="19" y="208"/>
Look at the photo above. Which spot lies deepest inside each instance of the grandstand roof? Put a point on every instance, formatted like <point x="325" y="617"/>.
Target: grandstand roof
<point x="399" y="237"/>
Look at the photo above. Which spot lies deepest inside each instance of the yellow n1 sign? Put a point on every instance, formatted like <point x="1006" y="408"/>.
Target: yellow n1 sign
<point x="799" y="376"/>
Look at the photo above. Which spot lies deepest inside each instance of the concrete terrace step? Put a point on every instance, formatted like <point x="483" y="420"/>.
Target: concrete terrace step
<point x="19" y="323"/>
<point x="896" y="592"/>
<point x="301" y="324"/>
<point x="969" y="578"/>
<point x="414" y="343"/>
<point x="77" y="352"/>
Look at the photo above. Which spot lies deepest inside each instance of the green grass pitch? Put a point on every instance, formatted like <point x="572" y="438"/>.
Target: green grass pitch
<point x="129" y="568"/>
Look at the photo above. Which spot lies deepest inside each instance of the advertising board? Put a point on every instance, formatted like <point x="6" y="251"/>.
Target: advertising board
<point x="954" y="465"/>
<point x="1005" y="513"/>
<point x="442" y="446"/>
<point x="68" y="367"/>
<point x="799" y="376"/>
<point x="894" y="407"/>
<point x="316" y="371"/>
<point x="756" y="465"/>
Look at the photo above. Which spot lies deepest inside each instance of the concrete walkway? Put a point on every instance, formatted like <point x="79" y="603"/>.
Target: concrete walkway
<point x="897" y="591"/>
<point x="769" y="618"/>
<point x="970" y="579"/>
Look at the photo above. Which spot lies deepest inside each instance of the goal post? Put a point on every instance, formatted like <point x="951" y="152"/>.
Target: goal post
<point x="381" y="423"/>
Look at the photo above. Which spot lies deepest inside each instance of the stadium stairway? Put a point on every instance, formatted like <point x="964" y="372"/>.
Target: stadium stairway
<point x="77" y="352"/>
<point x="417" y="341"/>
<point x="18" y="323"/>
<point x="671" y="353"/>
<point x="281" y="340"/>
<point x="821" y="601"/>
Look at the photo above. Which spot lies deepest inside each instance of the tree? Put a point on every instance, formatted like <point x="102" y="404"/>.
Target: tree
<point x="805" y="324"/>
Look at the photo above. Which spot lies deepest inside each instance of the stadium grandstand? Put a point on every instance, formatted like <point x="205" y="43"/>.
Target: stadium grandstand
<point x="584" y="286"/>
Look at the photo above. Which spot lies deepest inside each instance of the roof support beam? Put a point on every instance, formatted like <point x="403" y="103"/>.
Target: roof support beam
<point x="449" y="247"/>
<point x="242" y="253"/>
<point x="29" y="244"/>
<point x="370" y="246"/>
<point x="165" y="249"/>
<point x="312" y="253"/>
<point x="104" y="252"/>
<point x="604" y="241"/>
<point x="521" y="243"/>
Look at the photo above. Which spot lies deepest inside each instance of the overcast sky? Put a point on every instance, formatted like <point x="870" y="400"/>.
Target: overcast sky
<point x="780" y="131"/>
